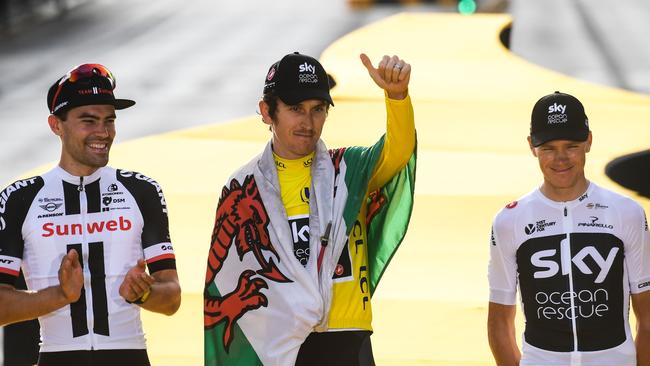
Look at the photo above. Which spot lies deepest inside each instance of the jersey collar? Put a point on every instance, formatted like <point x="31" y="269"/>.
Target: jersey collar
<point x="65" y="176"/>
<point x="567" y="204"/>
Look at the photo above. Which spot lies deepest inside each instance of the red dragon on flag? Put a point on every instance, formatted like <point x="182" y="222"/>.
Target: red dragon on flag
<point x="242" y="220"/>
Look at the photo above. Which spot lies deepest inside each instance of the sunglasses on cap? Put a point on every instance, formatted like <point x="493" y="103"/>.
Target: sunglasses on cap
<point x="84" y="71"/>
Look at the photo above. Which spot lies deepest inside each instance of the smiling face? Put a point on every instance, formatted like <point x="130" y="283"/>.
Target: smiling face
<point x="296" y="128"/>
<point x="86" y="136"/>
<point x="562" y="163"/>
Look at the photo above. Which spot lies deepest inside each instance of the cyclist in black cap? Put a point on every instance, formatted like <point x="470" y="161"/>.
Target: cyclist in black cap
<point x="84" y="234"/>
<point x="577" y="252"/>
<point x="303" y="233"/>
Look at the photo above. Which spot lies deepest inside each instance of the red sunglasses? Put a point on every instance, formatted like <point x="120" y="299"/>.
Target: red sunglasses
<point x="84" y="71"/>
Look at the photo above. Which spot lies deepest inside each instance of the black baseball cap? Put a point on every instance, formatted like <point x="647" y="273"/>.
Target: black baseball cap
<point x="558" y="116"/>
<point x="85" y="84"/>
<point x="296" y="78"/>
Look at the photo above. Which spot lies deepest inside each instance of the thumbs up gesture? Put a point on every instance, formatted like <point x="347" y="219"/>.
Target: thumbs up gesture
<point x="392" y="74"/>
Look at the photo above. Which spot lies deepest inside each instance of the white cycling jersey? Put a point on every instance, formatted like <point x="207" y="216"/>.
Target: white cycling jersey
<point x="111" y="218"/>
<point x="576" y="264"/>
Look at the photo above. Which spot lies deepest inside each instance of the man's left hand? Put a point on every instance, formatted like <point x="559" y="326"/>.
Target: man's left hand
<point x="392" y="74"/>
<point x="136" y="282"/>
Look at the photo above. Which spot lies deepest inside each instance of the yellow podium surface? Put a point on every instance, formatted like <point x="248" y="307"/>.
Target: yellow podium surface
<point x="472" y="101"/>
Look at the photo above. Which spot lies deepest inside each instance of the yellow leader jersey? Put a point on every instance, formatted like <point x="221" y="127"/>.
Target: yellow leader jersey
<point x="350" y="307"/>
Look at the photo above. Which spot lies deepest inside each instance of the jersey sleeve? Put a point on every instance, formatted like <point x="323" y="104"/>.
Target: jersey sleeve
<point x="156" y="243"/>
<point x="399" y="141"/>
<point x="15" y="201"/>
<point x="637" y="248"/>
<point x="502" y="268"/>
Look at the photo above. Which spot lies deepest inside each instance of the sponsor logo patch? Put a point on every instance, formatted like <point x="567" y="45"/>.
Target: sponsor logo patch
<point x="594" y="223"/>
<point x="307" y="163"/>
<point x="544" y="259"/>
<point x="538" y="226"/>
<point x="529" y="229"/>
<point x="596" y="206"/>
<point x="556" y="114"/>
<point x="4" y="197"/>
<point x="128" y="174"/>
<point x="56" y="214"/>
<point x="280" y="165"/>
<point x="307" y="74"/>
<point x="51" y="206"/>
<point x="300" y="234"/>
<point x="511" y="205"/>
<point x="51" y="229"/>
<point x="304" y="194"/>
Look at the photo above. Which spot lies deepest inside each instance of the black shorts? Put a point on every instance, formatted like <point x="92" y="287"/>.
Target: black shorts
<point x="113" y="357"/>
<point x="349" y="348"/>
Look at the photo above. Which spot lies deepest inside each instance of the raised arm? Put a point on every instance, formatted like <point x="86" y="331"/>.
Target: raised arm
<point x="393" y="76"/>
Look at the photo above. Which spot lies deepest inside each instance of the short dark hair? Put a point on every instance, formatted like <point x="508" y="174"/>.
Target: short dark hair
<point x="271" y="99"/>
<point x="63" y="115"/>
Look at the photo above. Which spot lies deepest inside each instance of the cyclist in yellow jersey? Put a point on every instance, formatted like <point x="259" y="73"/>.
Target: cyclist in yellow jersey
<point x="326" y="239"/>
<point x="350" y="315"/>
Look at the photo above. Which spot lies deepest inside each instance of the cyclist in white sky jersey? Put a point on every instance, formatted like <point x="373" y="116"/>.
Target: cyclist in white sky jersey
<point x="577" y="252"/>
<point x="84" y="234"/>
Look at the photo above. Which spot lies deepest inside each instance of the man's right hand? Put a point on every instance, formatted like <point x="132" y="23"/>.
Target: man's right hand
<point x="20" y="305"/>
<point x="71" y="279"/>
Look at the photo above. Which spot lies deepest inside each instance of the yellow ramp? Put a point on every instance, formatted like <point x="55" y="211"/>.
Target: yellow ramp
<point x="472" y="100"/>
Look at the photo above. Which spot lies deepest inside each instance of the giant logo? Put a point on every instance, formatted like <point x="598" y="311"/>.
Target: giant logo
<point x="127" y="174"/>
<point x="4" y="197"/>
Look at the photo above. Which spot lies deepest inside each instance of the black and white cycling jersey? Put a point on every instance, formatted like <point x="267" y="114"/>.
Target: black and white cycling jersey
<point x="576" y="264"/>
<point x="112" y="218"/>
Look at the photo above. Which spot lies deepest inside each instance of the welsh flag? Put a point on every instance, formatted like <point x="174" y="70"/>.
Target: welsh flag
<point x="389" y="213"/>
<point x="259" y="303"/>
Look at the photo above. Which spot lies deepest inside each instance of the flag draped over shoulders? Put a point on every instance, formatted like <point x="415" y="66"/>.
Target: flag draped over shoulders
<point x="260" y="303"/>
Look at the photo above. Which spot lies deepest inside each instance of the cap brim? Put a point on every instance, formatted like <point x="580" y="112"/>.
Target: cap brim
<point x="117" y="103"/>
<point x="296" y="96"/>
<point x="123" y="103"/>
<point x="540" y="138"/>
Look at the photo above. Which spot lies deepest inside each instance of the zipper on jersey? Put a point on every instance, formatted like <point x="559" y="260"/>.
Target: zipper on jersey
<point x="324" y="240"/>
<point x="83" y="212"/>
<point x="325" y="297"/>
<point x="567" y="265"/>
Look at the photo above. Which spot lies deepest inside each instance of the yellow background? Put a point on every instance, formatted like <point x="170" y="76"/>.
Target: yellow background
<point x="472" y="101"/>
